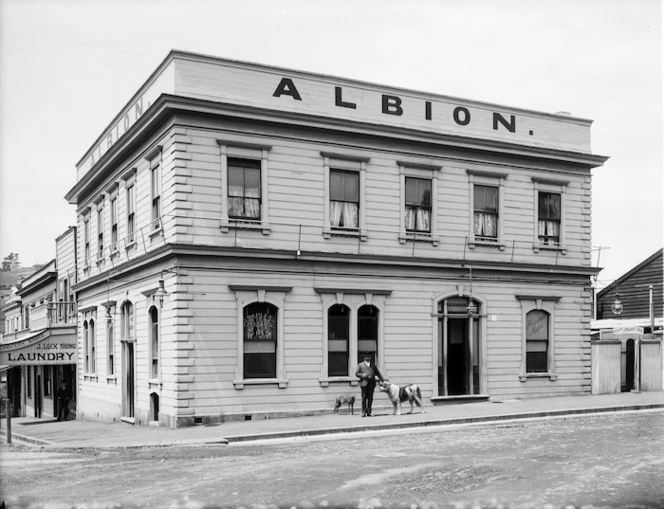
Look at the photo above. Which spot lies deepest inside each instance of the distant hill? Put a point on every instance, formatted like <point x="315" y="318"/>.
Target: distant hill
<point x="9" y="278"/>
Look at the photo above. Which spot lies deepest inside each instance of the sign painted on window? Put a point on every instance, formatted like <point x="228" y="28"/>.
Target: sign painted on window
<point x="260" y="326"/>
<point x="537" y="325"/>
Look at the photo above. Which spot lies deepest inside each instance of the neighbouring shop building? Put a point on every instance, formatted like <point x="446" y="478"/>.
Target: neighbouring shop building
<point x="630" y="316"/>
<point x="39" y="347"/>
<point x="246" y="233"/>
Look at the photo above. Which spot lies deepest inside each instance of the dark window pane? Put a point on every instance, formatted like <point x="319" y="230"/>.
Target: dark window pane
<point x="367" y="323"/>
<point x="536" y="362"/>
<point x="252" y="183"/>
<point x="336" y="186"/>
<point x="485" y="198"/>
<point x="351" y="187"/>
<point x="235" y="181"/>
<point x="260" y="365"/>
<point x="338" y="321"/>
<point x="337" y="364"/>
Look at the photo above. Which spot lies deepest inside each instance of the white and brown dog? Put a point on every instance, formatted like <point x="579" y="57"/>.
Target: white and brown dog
<point x="344" y="399"/>
<point x="398" y="395"/>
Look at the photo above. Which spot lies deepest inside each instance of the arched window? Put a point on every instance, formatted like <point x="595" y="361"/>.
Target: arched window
<point x="127" y="321"/>
<point x="537" y="341"/>
<point x="338" y="335"/>
<point x="154" y="342"/>
<point x="92" y="348"/>
<point x="367" y="332"/>
<point x="260" y="340"/>
<point x="110" y="348"/>
<point x="86" y="346"/>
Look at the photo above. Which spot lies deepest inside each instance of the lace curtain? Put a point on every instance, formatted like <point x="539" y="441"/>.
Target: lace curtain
<point x="549" y="231"/>
<point x="486" y="225"/>
<point x="418" y="219"/>
<point x="344" y="214"/>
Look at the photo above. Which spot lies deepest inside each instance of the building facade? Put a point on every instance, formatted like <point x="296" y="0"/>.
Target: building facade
<point x="246" y="233"/>
<point x="39" y="347"/>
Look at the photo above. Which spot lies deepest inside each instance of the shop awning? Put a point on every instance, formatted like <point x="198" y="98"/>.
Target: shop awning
<point x="55" y="345"/>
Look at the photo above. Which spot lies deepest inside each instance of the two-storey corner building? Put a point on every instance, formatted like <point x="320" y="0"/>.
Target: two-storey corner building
<point x="247" y="232"/>
<point x="39" y="345"/>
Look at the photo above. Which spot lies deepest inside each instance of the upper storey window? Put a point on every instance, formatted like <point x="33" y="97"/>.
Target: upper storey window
<point x="486" y="212"/>
<point x="344" y="199"/>
<point x="418" y="205"/>
<point x="548" y="227"/>
<point x="244" y="189"/>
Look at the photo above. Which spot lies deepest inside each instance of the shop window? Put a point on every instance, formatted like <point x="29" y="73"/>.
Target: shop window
<point x="538" y="351"/>
<point x="110" y="349"/>
<point x="92" y="366"/>
<point x="86" y="345"/>
<point x="367" y="333"/>
<point x="338" y="335"/>
<point x="48" y="380"/>
<point x="28" y="382"/>
<point x="537" y="341"/>
<point x="154" y="343"/>
<point x="260" y="340"/>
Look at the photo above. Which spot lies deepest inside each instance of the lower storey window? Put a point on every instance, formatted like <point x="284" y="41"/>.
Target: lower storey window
<point x="260" y="341"/>
<point x="537" y="341"/>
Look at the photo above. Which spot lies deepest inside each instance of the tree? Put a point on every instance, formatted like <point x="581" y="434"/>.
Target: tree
<point x="11" y="262"/>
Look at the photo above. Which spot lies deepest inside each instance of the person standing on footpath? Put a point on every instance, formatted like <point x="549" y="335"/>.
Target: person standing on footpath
<point x="63" y="398"/>
<point x="367" y="372"/>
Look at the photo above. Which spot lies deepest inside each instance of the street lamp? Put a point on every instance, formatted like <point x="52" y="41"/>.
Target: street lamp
<point x="161" y="293"/>
<point x="471" y="308"/>
<point x="617" y="307"/>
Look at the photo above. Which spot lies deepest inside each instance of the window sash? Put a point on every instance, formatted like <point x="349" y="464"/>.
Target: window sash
<point x="244" y="189"/>
<point x="485" y="199"/>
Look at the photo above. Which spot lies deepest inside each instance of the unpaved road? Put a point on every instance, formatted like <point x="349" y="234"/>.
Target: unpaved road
<point x="611" y="460"/>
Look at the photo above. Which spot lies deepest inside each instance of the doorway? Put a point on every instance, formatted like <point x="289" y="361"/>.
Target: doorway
<point x="628" y="379"/>
<point x="458" y="348"/>
<point x="129" y="379"/>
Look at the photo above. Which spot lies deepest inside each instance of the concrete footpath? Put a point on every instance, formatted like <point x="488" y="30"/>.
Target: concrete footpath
<point x="76" y="434"/>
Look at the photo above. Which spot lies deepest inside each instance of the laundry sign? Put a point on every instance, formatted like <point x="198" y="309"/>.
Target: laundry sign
<point x="39" y="350"/>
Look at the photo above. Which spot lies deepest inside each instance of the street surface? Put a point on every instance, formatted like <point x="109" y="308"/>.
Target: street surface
<point x="608" y="460"/>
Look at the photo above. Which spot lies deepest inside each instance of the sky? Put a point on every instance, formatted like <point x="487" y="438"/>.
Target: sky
<point x="68" y="67"/>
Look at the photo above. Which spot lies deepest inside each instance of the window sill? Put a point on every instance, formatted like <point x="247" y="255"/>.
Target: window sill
<point x="473" y="243"/>
<point x="112" y="379"/>
<point x="128" y="420"/>
<point x="154" y="382"/>
<point x="115" y="253"/>
<point x="324" y="382"/>
<point x="92" y="377"/>
<point x="238" y="224"/>
<point x="131" y="245"/>
<point x="155" y="233"/>
<point x="239" y="384"/>
<point x="418" y="237"/>
<point x="100" y="262"/>
<point x="549" y="247"/>
<point x="525" y="377"/>
<point x="345" y="232"/>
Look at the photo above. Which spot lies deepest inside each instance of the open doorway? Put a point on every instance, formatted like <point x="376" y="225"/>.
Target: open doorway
<point x="458" y="348"/>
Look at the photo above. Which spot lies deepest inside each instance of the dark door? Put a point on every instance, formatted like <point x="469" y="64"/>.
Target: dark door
<point x="457" y="356"/>
<point x="629" y="366"/>
<point x="130" y="380"/>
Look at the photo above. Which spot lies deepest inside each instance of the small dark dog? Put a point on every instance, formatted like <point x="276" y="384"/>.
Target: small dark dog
<point x="344" y="399"/>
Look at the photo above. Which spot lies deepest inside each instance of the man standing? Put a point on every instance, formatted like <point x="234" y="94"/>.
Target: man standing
<point x="63" y="398"/>
<point x="367" y="373"/>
